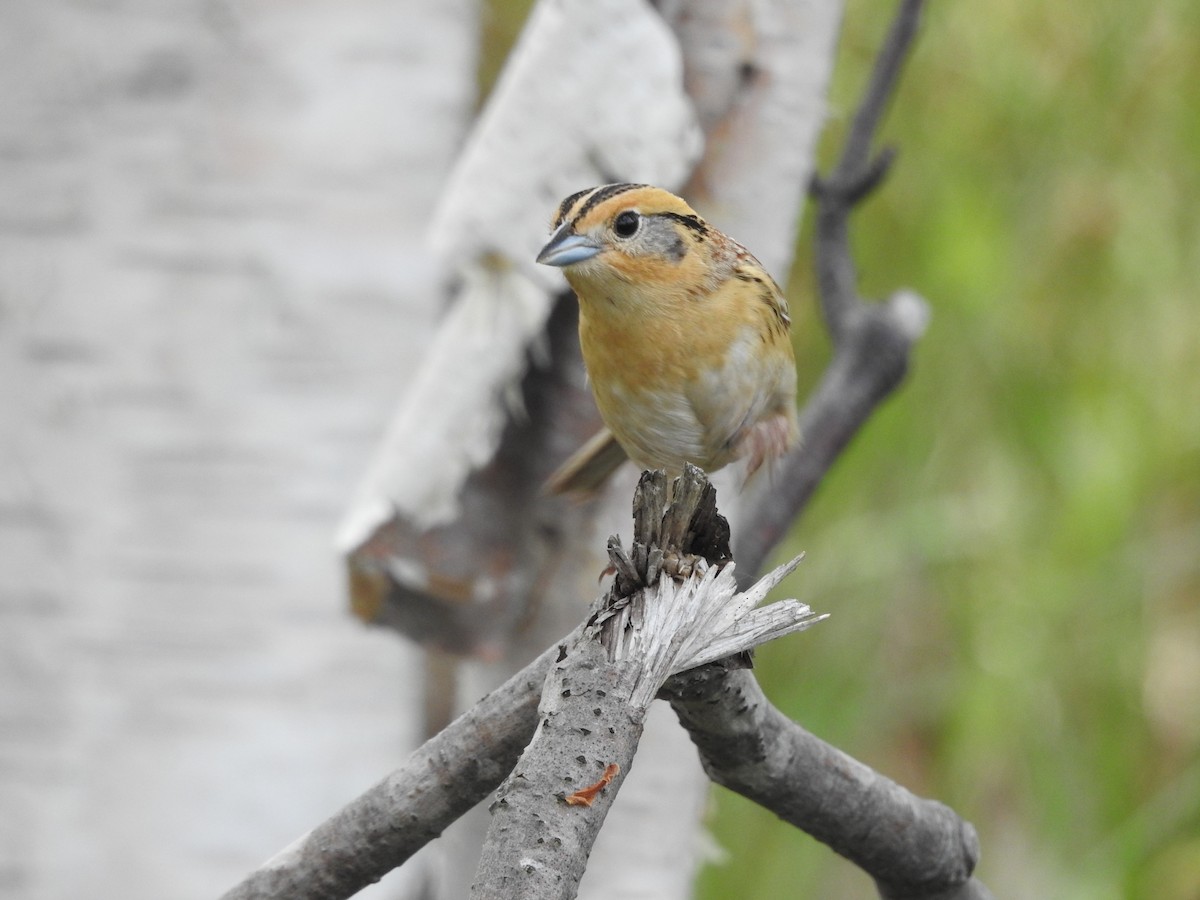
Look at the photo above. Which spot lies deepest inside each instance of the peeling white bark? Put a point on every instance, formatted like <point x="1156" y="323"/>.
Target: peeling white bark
<point x="564" y="115"/>
<point x="593" y="93"/>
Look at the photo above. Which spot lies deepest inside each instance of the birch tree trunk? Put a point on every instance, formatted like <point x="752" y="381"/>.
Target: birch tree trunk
<point x="211" y="278"/>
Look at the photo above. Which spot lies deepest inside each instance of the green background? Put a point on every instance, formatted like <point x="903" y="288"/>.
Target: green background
<point x="1010" y="550"/>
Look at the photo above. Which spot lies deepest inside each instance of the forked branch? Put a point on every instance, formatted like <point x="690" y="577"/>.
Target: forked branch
<point x="672" y="606"/>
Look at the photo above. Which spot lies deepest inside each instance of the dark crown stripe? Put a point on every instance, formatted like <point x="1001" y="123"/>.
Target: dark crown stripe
<point x="600" y="194"/>
<point x="565" y="206"/>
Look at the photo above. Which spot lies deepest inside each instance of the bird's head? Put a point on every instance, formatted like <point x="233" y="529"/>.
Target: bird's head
<point x="631" y="234"/>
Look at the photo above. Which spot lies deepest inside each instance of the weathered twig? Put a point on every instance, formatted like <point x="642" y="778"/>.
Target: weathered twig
<point x="460" y="766"/>
<point x="594" y="688"/>
<point x="915" y="849"/>
<point x="872" y="341"/>
<point x="549" y="810"/>
<point x="385" y="826"/>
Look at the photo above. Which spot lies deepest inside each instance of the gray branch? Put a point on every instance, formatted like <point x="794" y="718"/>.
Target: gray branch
<point x="667" y="610"/>
<point x="914" y="849"/>
<point x="594" y="686"/>
<point x="385" y="826"/>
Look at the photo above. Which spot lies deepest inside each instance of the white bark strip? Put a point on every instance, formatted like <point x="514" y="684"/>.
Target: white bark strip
<point x="566" y="114"/>
<point x="759" y="72"/>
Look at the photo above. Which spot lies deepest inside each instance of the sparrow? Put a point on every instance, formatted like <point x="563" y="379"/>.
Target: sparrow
<point x="685" y="337"/>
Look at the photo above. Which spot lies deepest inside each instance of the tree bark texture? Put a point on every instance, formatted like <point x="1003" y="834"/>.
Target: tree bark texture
<point x="913" y="848"/>
<point x="386" y="825"/>
<point x="588" y="731"/>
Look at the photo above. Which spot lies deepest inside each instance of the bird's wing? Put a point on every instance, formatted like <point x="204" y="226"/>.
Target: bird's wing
<point x="756" y="384"/>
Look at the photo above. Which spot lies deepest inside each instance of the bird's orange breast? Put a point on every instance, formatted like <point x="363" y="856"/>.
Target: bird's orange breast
<point x="647" y="355"/>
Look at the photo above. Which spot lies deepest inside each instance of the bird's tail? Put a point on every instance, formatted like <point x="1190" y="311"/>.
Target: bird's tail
<point x="588" y="468"/>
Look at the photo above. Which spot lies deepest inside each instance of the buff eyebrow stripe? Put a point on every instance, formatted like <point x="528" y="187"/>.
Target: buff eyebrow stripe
<point x="604" y="193"/>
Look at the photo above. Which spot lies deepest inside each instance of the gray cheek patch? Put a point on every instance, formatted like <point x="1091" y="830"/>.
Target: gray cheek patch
<point x="659" y="238"/>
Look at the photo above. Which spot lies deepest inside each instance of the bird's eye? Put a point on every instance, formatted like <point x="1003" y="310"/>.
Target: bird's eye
<point x="626" y="224"/>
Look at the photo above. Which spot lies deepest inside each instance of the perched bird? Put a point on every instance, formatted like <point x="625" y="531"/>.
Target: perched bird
<point x="684" y="336"/>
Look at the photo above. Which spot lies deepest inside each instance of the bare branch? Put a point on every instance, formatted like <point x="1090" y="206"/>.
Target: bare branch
<point x="385" y="826"/>
<point x="872" y="341"/>
<point x="915" y="849"/>
<point x="882" y="86"/>
<point x="586" y="729"/>
<point x="548" y="812"/>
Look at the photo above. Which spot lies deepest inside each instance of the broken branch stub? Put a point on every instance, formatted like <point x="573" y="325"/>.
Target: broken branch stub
<point x="673" y="605"/>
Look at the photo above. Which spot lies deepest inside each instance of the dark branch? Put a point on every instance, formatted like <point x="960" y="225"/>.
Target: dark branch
<point x="880" y="89"/>
<point x="856" y="188"/>
<point x="915" y="849"/>
<point x="855" y="174"/>
<point x="872" y="341"/>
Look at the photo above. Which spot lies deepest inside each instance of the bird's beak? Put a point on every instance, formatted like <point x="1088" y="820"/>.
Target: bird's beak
<point x="566" y="249"/>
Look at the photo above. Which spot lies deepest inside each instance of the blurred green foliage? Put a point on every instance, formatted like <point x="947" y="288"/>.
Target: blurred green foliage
<point x="1011" y="548"/>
